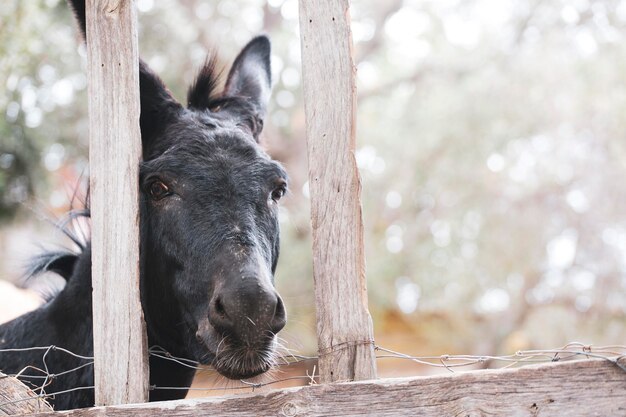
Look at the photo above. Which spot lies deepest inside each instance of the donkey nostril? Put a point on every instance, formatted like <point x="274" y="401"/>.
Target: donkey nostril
<point x="219" y="307"/>
<point x="280" y="309"/>
<point x="280" y="316"/>
<point x="219" y="317"/>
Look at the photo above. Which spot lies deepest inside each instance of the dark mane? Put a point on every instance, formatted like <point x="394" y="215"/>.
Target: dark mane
<point x="61" y="261"/>
<point x="201" y="92"/>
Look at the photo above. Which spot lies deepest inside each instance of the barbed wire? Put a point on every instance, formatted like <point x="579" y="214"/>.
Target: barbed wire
<point x="615" y="354"/>
<point x="611" y="353"/>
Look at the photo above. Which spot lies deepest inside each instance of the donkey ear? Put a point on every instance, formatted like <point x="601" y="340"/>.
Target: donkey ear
<point x="251" y="76"/>
<point x="158" y="108"/>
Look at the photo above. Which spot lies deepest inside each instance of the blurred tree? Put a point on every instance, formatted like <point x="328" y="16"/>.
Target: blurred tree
<point x="40" y="70"/>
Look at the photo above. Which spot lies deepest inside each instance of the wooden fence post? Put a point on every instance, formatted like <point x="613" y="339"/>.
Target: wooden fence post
<point x="120" y="351"/>
<point x="344" y="326"/>
<point x="17" y="399"/>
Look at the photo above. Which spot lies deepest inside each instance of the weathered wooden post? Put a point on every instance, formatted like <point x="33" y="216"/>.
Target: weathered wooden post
<point x="17" y="399"/>
<point x="344" y="326"/>
<point x="121" y="365"/>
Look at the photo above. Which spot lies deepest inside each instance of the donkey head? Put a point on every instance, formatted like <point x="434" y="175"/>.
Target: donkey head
<point x="209" y="217"/>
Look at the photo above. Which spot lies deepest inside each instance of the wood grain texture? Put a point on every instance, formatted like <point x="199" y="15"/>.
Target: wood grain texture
<point x="121" y="365"/>
<point x="344" y="326"/>
<point x="573" y="389"/>
<point x="12" y="392"/>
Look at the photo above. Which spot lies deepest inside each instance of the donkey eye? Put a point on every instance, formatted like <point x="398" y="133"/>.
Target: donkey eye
<point x="277" y="194"/>
<point x="158" y="190"/>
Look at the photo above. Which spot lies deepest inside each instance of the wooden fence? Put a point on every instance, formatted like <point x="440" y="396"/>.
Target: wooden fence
<point x="593" y="387"/>
<point x="345" y="335"/>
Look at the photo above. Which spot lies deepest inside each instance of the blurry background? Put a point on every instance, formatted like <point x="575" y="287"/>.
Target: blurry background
<point x="491" y="142"/>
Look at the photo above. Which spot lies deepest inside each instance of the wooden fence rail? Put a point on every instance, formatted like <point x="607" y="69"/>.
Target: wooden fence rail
<point x="593" y="387"/>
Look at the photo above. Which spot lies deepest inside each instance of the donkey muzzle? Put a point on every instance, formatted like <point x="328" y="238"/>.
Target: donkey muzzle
<point x="249" y="312"/>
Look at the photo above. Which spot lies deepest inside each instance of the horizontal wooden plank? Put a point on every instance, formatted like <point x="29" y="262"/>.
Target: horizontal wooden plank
<point x="16" y="398"/>
<point x="576" y="388"/>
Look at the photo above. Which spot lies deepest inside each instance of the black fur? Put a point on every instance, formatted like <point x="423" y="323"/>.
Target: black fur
<point x="202" y="92"/>
<point x="209" y="241"/>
